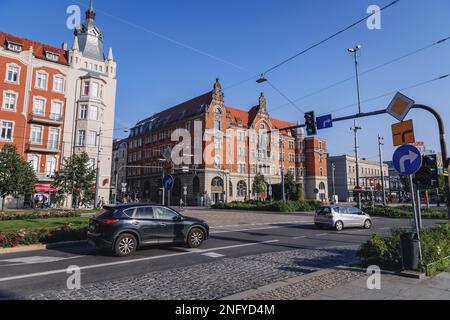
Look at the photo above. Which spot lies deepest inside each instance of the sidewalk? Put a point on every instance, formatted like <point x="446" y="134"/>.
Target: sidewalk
<point x="351" y="284"/>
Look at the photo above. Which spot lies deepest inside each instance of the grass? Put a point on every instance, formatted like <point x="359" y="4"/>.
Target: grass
<point x="32" y="224"/>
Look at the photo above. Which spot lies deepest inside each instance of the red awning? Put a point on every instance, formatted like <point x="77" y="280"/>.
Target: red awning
<point x="45" y="188"/>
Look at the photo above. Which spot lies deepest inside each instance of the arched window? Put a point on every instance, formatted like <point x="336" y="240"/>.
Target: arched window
<point x="218" y="119"/>
<point x="241" y="189"/>
<point x="196" y="185"/>
<point x="217" y="182"/>
<point x="322" y="186"/>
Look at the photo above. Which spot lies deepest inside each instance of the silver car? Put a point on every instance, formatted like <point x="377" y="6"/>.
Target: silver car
<point x="340" y="217"/>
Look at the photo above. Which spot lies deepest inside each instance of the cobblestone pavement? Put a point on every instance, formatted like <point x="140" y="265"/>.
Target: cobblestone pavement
<point x="307" y="287"/>
<point x="213" y="280"/>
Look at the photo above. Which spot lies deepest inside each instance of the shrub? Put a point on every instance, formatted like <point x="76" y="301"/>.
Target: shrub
<point x="404" y="212"/>
<point x="7" y="216"/>
<point x="385" y="251"/>
<point x="276" y="206"/>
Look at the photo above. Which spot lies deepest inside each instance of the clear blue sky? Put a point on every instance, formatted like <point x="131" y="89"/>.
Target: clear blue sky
<point x="155" y="73"/>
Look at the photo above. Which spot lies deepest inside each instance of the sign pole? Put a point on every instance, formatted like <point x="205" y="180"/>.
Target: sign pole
<point x="419" y="209"/>
<point x="416" y="220"/>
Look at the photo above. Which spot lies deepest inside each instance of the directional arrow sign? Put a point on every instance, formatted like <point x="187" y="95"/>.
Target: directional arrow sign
<point x="407" y="160"/>
<point x="168" y="182"/>
<point x="324" y="122"/>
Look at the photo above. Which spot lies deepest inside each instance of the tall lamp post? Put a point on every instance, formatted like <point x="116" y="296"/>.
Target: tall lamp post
<point x="354" y="52"/>
<point x="97" y="172"/>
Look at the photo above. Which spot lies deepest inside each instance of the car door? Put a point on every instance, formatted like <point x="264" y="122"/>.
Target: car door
<point x="146" y="223"/>
<point x="354" y="217"/>
<point x="169" y="229"/>
<point x="345" y="216"/>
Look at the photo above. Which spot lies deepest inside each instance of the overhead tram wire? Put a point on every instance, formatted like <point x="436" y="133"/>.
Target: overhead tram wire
<point x="404" y="56"/>
<point x="314" y="45"/>
<point x="285" y="96"/>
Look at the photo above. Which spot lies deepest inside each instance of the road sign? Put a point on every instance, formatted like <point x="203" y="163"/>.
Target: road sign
<point x="400" y="106"/>
<point x="403" y="133"/>
<point x="324" y="122"/>
<point x="124" y="185"/>
<point x="124" y="190"/>
<point x="407" y="160"/>
<point x="168" y="167"/>
<point x="168" y="182"/>
<point x="167" y="154"/>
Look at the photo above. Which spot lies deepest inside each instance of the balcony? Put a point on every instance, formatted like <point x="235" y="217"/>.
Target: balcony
<point x="52" y="147"/>
<point x="53" y="119"/>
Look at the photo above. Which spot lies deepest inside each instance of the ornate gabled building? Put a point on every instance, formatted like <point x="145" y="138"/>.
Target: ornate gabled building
<point x="55" y="102"/>
<point x="227" y="149"/>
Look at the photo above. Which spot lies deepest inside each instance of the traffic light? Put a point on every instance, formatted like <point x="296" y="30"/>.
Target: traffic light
<point x="310" y="123"/>
<point x="428" y="175"/>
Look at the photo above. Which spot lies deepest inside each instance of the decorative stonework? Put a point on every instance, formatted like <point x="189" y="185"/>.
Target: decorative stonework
<point x="217" y="94"/>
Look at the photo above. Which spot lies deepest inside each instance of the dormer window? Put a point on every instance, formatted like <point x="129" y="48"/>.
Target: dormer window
<point x="240" y="123"/>
<point x="16" y="47"/>
<point x="51" y="56"/>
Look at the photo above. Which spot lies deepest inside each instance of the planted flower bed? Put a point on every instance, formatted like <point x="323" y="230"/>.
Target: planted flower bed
<point x="38" y="214"/>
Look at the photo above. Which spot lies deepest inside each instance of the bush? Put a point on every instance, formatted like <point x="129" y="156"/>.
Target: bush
<point x="45" y="236"/>
<point x="403" y="212"/>
<point x="384" y="251"/>
<point x="276" y="206"/>
<point x="37" y="214"/>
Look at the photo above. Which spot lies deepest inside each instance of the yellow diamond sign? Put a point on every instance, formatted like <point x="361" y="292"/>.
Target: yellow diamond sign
<point x="400" y="106"/>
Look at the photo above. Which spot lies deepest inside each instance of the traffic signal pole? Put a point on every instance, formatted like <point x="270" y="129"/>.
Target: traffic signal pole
<point x="441" y="127"/>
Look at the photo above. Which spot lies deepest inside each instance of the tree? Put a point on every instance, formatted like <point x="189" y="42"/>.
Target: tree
<point x="290" y="187"/>
<point x="76" y="177"/>
<point x="17" y="177"/>
<point x="259" y="184"/>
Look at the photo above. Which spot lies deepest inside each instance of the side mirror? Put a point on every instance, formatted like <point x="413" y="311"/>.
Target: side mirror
<point x="177" y="218"/>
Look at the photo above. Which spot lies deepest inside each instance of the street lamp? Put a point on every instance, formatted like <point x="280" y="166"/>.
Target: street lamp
<point x="355" y="129"/>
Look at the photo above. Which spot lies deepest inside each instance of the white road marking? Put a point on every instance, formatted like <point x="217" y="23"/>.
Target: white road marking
<point x="46" y="273"/>
<point x="321" y="234"/>
<point x="302" y="237"/>
<point x="258" y="224"/>
<point x="213" y="255"/>
<point x="262" y="228"/>
<point x="34" y="260"/>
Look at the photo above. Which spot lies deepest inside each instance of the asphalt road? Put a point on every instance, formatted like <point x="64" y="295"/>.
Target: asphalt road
<point x="29" y="273"/>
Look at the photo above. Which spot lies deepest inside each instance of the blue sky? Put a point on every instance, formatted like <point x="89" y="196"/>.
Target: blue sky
<point x="236" y="39"/>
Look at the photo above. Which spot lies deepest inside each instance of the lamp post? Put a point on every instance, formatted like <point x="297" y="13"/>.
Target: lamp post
<point x="333" y="169"/>
<point x="380" y="152"/>
<point x="354" y="52"/>
<point x="97" y="172"/>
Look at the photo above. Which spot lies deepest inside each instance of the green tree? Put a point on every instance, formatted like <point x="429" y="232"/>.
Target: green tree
<point x="17" y="177"/>
<point x="76" y="177"/>
<point x="259" y="184"/>
<point x="290" y="187"/>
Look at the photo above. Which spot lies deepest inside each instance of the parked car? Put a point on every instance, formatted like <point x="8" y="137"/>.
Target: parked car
<point x="124" y="228"/>
<point x="340" y="217"/>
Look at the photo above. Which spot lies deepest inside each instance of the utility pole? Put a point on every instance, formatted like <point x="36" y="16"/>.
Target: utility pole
<point x="282" y="168"/>
<point x="380" y="152"/>
<point x="333" y="169"/>
<point x="354" y="52"/>
<point x="97" y="173"/>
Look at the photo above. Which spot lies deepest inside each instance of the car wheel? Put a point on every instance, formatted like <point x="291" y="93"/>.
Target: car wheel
<point x="339" y="226"/>
<point x="125" y="245"/>
<point x="195" y="238"/>
<point x="367" y="224"/>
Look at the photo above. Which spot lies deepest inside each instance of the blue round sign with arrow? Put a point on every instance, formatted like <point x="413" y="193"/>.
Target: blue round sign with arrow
<point x="168" y="182"/>
<point x="407" y="160"/>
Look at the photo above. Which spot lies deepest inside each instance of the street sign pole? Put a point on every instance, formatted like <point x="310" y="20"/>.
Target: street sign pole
<point x="419" y="209"/>
<point x="416" y="219"/>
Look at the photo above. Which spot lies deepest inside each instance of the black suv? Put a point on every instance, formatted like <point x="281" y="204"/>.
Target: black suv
<point x="124" y="228"/>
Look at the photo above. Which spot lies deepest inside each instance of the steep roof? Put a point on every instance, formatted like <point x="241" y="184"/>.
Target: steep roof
<point x="39" y="49"/>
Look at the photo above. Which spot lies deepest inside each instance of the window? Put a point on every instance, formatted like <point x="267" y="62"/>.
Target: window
<point x="291" y="145"/>
<point x="93" y="113"/>
<point x="218" y="119"/>
<point x="86" y="88"/>
<point x="6" y="130"/>
<point x="321" y="172"/>
<point x="56" y="110"/>
<point x="39" y="106"/>
<point x="41" y="80"/>
<point x="14" y="47"/>
<point x="12" y="74"/>
<point x="52" y="56"/>
<point x="83" y="112"/>
<point x="33" y="160"/>
<point x="50" y="167"/>
<point x="164" y="213"/>
<point x="94" y="89"/>
<point x="217" y="143"/>
<point x="241" y="189"/>
<point x="53" y="139"/>
<point x="93" y="138"/>
<point x="144" y="213"/>
<point x="81" y="137"/>
<point x="9" y="101"/>
<point x="58" y="84"/>
<point x="36" y="135"/>
<point x="241" y="167"/>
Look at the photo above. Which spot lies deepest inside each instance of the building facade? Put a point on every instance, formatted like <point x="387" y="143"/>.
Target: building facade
<point x="56" y="102"/>
<point x="342" y="177"/>
<point x="118" y="168"/>
<point x="224" y="150"/>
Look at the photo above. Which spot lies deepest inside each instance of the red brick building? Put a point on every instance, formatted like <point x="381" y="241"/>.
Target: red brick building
<point x="228" y="147"/>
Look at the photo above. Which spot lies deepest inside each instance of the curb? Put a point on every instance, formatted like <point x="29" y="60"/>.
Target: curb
<point x="38" y="247"/>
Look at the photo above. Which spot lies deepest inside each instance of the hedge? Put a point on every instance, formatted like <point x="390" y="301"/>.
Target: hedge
<point x="276" y="206"/>
<point x="384" y="251"/>
<point x="44" y="236"/>
<point x="404" y="212"/>
<point x="23" y="215"/>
